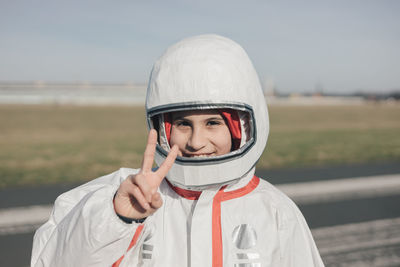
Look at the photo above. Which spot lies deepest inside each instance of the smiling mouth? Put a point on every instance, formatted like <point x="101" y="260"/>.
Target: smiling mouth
<point x="199" y="155"/>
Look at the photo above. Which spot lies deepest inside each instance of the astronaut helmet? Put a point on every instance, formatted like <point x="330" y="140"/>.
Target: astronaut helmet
<point x="201" y="73"/>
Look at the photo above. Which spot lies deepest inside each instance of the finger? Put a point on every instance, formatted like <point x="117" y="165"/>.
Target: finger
<point x="167" y="164"/>
<point x="156" y="201"/>
<point x="141" y="181"/>
<point x="148" y="156"/>
<point x="139" y="197"/>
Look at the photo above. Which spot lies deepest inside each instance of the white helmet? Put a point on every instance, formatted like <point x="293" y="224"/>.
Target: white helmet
<point x="208" y="72"/>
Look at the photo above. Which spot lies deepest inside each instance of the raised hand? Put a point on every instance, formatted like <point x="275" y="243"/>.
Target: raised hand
<point x="137" y="196"/>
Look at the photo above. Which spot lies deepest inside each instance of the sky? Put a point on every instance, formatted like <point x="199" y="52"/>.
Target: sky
<point x="296" y="46"/>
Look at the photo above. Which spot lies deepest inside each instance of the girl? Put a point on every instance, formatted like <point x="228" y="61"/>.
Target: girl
<point x="202" y="206"/>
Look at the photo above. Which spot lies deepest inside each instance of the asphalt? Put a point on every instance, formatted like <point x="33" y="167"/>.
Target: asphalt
<point x="296" y="175"/>
<point x="16" y="250"/>
<point x="46" y="194"/>
<point x="351" y="211"/>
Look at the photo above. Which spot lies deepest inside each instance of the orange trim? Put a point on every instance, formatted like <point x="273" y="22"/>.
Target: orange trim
<point x="188" y="194"/>
<point x="217" y="251"/>
<point x="133" y="242"/>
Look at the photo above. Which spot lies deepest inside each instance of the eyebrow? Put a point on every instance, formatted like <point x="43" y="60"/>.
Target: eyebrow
<point x="182" y="117"/>
<point x="215" y="118"/>
<point x="177" y="118"/>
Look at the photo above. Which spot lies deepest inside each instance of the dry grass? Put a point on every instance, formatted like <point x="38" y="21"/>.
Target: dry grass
<point x="48" y="144"/>
<point x="317" y="135"/>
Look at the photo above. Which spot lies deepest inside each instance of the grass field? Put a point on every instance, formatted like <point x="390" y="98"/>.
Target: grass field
<point x="50" y="144"/>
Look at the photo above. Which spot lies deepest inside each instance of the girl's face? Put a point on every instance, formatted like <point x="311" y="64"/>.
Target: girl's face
<point x="200" y="133"/>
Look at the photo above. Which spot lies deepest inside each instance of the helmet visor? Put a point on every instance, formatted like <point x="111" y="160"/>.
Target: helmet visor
<point x="238" y="117"/>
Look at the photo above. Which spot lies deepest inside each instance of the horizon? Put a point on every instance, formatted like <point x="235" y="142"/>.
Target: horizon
<point x="79" y="85"/>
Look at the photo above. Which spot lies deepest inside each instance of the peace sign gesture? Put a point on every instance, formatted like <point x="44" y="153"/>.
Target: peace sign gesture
<point x="137" y="196"/>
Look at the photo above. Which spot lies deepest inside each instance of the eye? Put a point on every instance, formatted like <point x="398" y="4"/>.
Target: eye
<point x="181" y="123"/>
<point x="213" y="123"/>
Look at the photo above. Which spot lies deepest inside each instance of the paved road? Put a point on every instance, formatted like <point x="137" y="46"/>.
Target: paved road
<point x="366" y="216"/>
<point x="26" y="196"/>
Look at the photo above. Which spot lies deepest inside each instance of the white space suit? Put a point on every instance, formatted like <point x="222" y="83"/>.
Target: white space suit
<point x="215" y="211"/>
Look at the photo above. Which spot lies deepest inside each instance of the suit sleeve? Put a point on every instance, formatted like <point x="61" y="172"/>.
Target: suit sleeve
<point x="83" y="229"/>
<point x="297" y="245"/>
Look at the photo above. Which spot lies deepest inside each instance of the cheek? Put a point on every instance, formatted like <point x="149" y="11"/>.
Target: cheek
<point x="224" y="141"/>
<point x="177" y="138"/>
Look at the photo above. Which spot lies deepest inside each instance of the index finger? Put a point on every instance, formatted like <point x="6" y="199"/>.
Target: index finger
<point x="148" y="156"/>
<point x="168" y="162"/>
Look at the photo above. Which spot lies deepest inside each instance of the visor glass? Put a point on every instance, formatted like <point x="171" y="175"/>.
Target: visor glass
<point x="175" y="121"/>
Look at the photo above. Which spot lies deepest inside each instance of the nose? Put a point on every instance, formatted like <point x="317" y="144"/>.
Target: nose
<point x="197" y="140"/>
